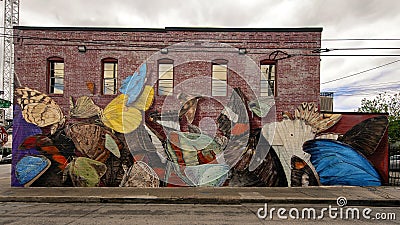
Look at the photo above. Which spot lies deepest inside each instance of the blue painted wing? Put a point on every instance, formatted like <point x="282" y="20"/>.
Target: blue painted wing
<point x="133" y="85"/>
<point x="29" y="168"/>
<point x="339" y="164"/>
<point x="21" y="130"/>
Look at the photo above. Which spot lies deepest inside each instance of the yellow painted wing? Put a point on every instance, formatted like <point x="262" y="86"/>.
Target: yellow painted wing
<point x="145" y="100"/>
<point x="119" y="117"/>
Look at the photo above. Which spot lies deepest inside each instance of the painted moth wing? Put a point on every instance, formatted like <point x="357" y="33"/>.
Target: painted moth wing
<point x="30" y="168"/>
<point x="339" y="164"/>
<point x="145" y="99"/>
<point x="213" y="175"/>
<point x="261" y="106"/>
<point x="39" y="109"/>
<point x="89" y="139"/>
<point x="85" y="172"/>
<point x="366" y="135"/>
<point x="112" y="146"/>
<point x="133" y="85"/>
<point x="84" y="108"/>
<point x="119" y="117"/>
<point x="302" y="175"/>
<point x="140" y="175"/>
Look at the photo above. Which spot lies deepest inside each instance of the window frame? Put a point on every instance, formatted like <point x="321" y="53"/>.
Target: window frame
<point x="115" y="75"/>
<point x="274" y="90"/>
<point x="165" y="61"/>
<point x="51" y="75"/>
<point x="219" y="62"/>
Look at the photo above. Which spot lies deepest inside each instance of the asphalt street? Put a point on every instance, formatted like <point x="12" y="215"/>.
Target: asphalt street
<point x="5" y="177"/>
<point x="100" y="213"/>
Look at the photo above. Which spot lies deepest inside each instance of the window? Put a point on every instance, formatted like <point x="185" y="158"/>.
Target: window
<point x="165" y="77"/>
<point x="110" y="73"/>
<point x="267" y="83"/>
<point x="56" y="75"/>
<point x="219" y="78"/>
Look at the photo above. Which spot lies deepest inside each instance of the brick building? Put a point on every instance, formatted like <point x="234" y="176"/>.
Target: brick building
<point x="278" y="63"/>
<point x="64" y="61"/>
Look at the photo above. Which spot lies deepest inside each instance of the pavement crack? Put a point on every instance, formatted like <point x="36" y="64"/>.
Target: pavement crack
<point x="252" y="212"/>
<point x="84" y="215"/>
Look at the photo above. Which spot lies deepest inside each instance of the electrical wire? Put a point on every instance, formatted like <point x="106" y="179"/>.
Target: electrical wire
<point x="142" y="43"/>
<point x="355" y="74"/>
<point x="363" y="86"/>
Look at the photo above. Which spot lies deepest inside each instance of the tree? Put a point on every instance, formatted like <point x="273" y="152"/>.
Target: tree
<point x="385" y="103"/>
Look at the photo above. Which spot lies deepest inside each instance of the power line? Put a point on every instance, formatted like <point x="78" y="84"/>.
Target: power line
<point x="314" y="50"/>
<point x="355" y="74"/>
<point x="363" y="86"/>
<point x="366" y="89"/>
<point x="350" y="91"/>
<point x="360" y="39"/>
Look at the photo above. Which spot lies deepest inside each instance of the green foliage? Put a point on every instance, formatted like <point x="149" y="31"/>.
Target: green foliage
<point x="385" y="103"/>
<point x="394" y="131"/>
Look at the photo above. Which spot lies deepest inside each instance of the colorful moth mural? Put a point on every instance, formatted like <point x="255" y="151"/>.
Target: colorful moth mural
<point x="129" y="144"/>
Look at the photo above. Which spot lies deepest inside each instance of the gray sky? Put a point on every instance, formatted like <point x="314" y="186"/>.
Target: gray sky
<point x="341" y="19"/>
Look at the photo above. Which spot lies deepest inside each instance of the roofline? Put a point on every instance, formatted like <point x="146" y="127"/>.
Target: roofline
<point x="355" y="113"/>
<point x="189" y="29"/>
<point x="107" y="29"/>
<point x="231" y="29"/>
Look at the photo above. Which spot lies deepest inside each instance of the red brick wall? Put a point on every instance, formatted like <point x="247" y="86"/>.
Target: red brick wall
<point x="297" y="77"/>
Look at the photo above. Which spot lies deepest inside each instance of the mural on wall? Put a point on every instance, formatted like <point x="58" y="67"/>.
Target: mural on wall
<point x="123" y="145"/>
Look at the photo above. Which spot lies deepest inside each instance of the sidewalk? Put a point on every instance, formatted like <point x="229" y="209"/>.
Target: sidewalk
<point x="366" y="196"/>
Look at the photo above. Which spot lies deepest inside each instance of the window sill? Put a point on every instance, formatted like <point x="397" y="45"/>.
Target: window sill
<point x="55" y="95"/>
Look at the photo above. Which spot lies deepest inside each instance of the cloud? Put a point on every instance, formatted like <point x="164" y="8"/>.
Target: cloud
<point x="347" y="103"/>
<point x="341" y="19"/>
<point x="151" y="13"/>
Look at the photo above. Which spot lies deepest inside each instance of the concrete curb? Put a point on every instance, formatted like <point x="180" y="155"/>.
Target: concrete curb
<point x="355" y="196"/>
<point x="217" y="201"/>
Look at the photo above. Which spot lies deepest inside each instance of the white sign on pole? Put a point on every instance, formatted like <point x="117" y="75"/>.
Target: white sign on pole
<point x="2" y="117"/>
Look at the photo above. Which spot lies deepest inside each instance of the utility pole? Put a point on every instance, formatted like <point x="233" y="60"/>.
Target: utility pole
<point x="11" y="19"/>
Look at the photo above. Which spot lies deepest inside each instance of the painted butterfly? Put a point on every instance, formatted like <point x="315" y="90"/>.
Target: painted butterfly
<point x="302" y="175"/>
<point x="366" y="135"/>
<point x="140" y="175"/>
<point x="119" y="117"/>
<point x="133" y="85"/>
<point x="39" y="109"/>
<point x="125" y="119"/>
<point x="45" y="146"/>
<point x="318" y="121"/>
<point x="83" y="108"/>
<point x="85" y="172"/>
<point x="261" y="106"/>
<point x="339" y="164"/>
<point x="30" y="168"/>
<point x="189" y="106"/>
<point x="207" y="174"/>
<point x="93" y="141"/>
